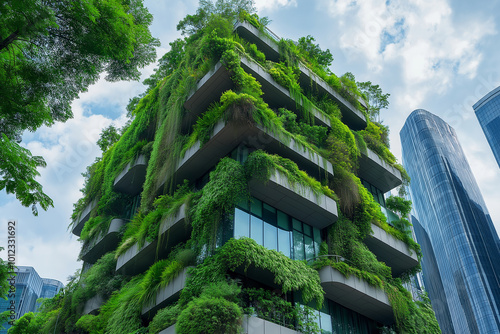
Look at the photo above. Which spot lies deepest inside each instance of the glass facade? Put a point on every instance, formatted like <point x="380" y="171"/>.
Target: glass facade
<point x="452" y="213"/>
<point x="488" y="113"/>
<point x="273" y="229"/>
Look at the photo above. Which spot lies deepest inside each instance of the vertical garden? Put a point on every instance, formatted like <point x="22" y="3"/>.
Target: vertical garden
<point x="197" y="186"/>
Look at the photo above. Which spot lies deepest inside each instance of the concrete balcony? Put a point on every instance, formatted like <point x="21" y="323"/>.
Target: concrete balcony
<point x="351" y="116"/>
<point x="252" y="325"/>
<point x="82" y="218"/>
<point x="300" y="202"/>
<point x="137" y="259"/>
<point x="131" y="179"/>
<point x="357" y="295"/>
<point x="256" y="325"/>
<point x="378" y="172"/>
<point x="166" y="295"/>
<point x="217" y="81"/>
<point x="266" y="45"/>
<point x="102" y="243"/>
<point x="168" y="330"/>
<point x="93" y="304"/>
<point x="395" y="253"/>
<point x="199" y="159"/>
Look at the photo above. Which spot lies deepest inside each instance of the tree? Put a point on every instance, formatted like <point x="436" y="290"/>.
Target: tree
<point x="52" y="50"/>
<point x="108" y="137"/>
<point x="228" y="9"/>
<point x="376" y="99"/>
<point x="323" y="58"/>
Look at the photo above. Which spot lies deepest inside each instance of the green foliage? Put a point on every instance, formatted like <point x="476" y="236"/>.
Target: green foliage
<point x="399" y="205"/>
<point x="227" y="186"/>
<point x="314" y="53"/>
<point x="18" y="170"/>
<point x="49" y="53"/>
<point x="164" y="318"/>
<point x="375" y="97"/>
<point x="107" y="138"/>
<point x="228" y="9"/>
<point x="240" y="255"/>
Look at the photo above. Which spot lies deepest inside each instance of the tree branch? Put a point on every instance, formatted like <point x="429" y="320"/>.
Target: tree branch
<point x="5" y="43"/>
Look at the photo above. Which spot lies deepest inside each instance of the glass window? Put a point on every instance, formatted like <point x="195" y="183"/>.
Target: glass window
<point x="298" y="246"/>
<point x="309" y="247"/>
<point x="297" y="225"/>
<point x="284" y="242"/>
<point x="241" y="224"/>
<point x="283" y="221"/>
<point x="256" y="207"/>
<point x="270" y="236"/>
<point x="317" y="240"/>
<point x="269" y="214"/>
<point x="256" y="230"/>
<point x="307" y="230"/>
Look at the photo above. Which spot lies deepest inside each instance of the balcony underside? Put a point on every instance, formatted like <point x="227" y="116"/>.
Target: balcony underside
<point x="317" y="210"/>
<point x="166" y="295"/>
<point x="137" y="259"/>
<point x="104" y="243"/>
<point x="357" y="295"/>
<point x="93" y="304"/>
<point x="378" y="172"/>
<point x="392" y="251"/>
<point x="82" y="218"/>
<point x="131" y="179"/>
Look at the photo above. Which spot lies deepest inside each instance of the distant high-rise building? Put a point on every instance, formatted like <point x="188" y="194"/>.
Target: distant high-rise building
<point x="29" y="287"/>
<point x="488" y="113"/>
<point x="454" y="225"/>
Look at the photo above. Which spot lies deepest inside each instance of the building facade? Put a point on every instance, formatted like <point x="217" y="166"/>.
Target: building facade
<point x="224" y="174"/>
<point x="488" y="114"/>
<point x="454" y="227"/>
<point x="29" y="287"/>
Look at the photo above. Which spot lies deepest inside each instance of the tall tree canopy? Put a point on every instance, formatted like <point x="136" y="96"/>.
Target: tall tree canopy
<point x="52" y="50"/>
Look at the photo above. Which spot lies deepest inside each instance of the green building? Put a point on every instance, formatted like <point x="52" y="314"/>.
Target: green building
<point x="246" y="194"/>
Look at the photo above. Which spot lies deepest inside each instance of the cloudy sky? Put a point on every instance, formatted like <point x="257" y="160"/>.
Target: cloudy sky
<point x="433" y="54"/>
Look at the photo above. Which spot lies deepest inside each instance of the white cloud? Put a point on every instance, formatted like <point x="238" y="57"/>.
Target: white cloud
<point x="419" y="37"/>
<point x="274" y="4"/>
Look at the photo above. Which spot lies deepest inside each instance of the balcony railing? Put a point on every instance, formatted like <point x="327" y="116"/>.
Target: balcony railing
<point x="131" y="179"/>
<point x="138" y="259"/>
<point x="394" y="252"/>
<point x="102" y="243"/>
<point x="82" y="218"/>
<point x="357" y="295"/>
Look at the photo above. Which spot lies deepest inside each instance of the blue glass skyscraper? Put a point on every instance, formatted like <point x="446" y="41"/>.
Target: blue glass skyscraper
<point x="488" y="113"/>
<point x="454" y="217"/>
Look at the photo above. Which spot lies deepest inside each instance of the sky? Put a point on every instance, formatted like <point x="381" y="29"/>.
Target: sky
<point x="438" y="55"/>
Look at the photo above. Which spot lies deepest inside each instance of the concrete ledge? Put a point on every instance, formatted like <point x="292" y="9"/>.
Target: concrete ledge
<point x="300" y="202"/>
<point x="102" y="243"/>
<point x="256" y="325"/>
<point x="82" y="218"/>
<point x="378" y="172"/>
<point x="395" y="253"/>
<point x="131" y="179"/>
<point x="168" y="330"/>
<point x="265" y="44"/>
<point x="226" y="137"/>
<point x="137" y="259"/>
<point x="93" y="304"/>
<point x="357" y="295"/>
<point x="166" y="295"/>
